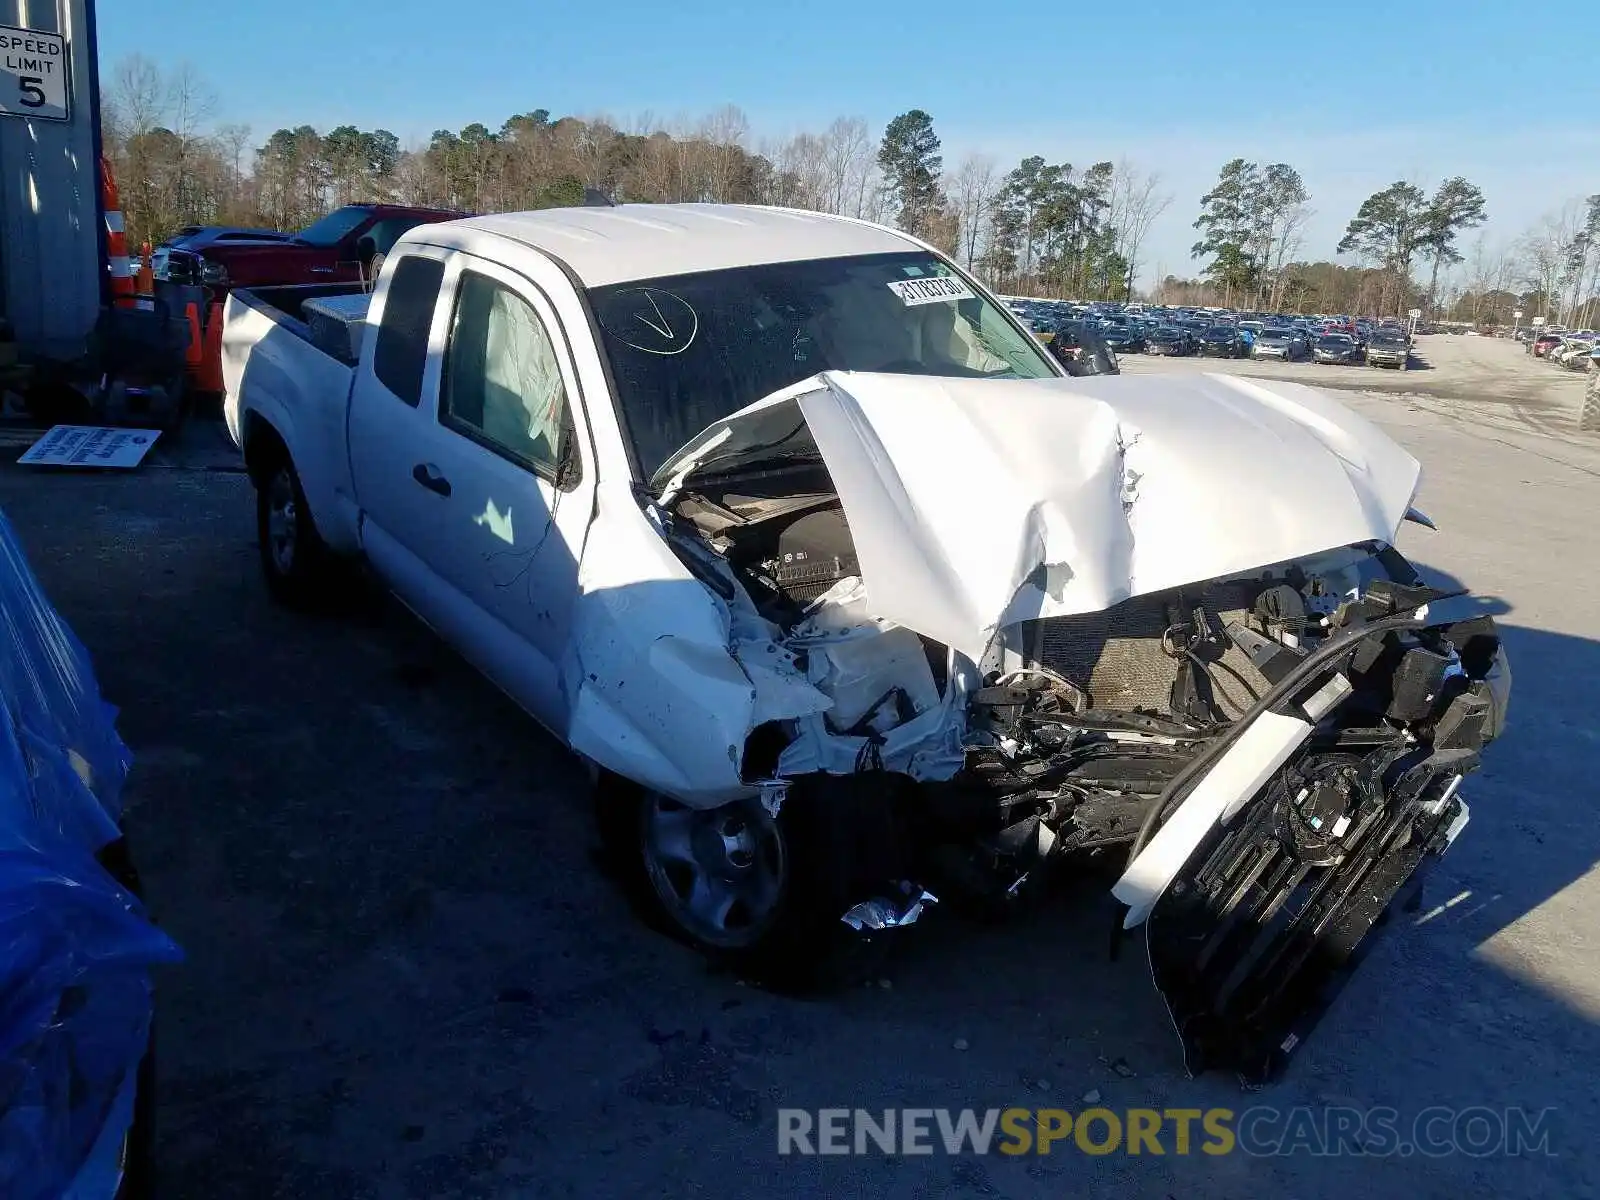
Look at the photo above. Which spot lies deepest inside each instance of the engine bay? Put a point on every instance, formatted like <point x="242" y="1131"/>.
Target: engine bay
<point x="788" y="547"/>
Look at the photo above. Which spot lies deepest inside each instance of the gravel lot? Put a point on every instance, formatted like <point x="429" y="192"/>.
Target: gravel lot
<point x="1491" y="380"/>
<point x="407" y="978"/>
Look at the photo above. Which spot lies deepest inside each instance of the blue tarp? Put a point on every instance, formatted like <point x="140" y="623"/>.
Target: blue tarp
<point x="76" y="948"/>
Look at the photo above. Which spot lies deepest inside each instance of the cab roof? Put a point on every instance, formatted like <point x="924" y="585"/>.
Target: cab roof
<point x="628" y="242"/>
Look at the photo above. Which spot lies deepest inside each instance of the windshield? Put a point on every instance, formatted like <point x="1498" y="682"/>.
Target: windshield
<point x="333" y="227"/>
<point x="1333" y="341"/>
<point x="690" y="350"/>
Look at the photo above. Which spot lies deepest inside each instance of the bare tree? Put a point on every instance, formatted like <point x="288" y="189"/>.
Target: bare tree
<point x="972" y="191"/>
<point x="868" y="203"/>
<point x="1545" y="256"/>
<point x="1288" y="239"/>
<point x="800" y="172"/>
<point x="846" y="154"/>
<point x="724" y="132"/>
<point x="235" y="139"/>
<point x="192" y="101"/>
<point x="1137" y="199"/>
<point x="1479" y="275"/>
<point x="139" y="96"/>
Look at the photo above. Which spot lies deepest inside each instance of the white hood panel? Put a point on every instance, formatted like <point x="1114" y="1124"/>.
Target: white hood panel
<point x="974" y="504"/>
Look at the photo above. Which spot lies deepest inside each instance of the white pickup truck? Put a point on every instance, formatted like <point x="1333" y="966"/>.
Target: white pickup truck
<point x="792" y="531"/>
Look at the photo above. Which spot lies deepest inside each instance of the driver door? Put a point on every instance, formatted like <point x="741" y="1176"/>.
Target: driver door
<point x="507" y="420"/>
<point x="478" y="499"/>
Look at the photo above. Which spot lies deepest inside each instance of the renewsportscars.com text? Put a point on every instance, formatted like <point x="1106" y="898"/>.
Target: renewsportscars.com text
<point x="1478" y="1132"/>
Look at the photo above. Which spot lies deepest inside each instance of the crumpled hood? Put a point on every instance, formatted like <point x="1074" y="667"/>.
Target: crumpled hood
<point x="975" y="504"/>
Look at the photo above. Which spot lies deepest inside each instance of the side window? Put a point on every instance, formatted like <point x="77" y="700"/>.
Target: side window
<point x="386" y="233"/>
<point x="502" y="381"/>
<point x="401" y="352"/>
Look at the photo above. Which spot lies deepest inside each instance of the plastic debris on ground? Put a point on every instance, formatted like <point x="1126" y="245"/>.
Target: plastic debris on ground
<point x="76" y="948"/>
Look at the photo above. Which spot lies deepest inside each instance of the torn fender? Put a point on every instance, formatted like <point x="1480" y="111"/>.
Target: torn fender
<point x="664" y="677"/>
<point x="975" y="504"/>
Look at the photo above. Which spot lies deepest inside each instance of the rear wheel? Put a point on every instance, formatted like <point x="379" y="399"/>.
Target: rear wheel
<point x="294" y="559"/>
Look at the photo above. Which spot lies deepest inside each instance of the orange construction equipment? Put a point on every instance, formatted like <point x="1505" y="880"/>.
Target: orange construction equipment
<point x="208" y="372"/>
<point x="196" y="346"/>
<point x="124" y="293"/>
<point x="147" y="272"/>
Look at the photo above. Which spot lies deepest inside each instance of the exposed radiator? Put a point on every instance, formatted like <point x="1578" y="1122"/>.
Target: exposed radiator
<point x="1117" y="655"/>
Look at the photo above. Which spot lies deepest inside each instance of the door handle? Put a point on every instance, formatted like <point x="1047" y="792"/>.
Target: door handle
<point x="428" y="476"/>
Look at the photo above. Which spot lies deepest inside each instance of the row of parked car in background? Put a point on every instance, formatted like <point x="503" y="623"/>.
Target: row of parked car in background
<point x="1332" y="339"/>
<point x="1574" y="349"/>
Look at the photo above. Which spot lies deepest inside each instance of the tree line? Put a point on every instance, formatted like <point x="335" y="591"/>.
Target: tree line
<point x="1039" y="228"/>
<point x="1251" y="224"/>
<point x="1049" y="229"/>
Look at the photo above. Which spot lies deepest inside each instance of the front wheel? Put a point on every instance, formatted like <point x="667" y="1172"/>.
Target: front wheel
<point x="294" y="560"/>
<point x="762" y="894"/>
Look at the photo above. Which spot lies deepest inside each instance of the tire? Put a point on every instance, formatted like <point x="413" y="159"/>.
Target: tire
<point x="797" y="944"/>
<point x="295" y="561"/>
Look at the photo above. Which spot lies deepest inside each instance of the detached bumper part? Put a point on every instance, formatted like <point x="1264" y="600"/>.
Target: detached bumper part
<point x="1284" y="861"/>
<point x="1258" y="935"/>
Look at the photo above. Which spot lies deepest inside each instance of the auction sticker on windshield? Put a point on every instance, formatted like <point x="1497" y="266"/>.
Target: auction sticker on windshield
<point x="33" y="74"/>
<point x="930" y="291"/>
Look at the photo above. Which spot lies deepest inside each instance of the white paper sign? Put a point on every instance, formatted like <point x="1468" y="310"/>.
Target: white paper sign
<point x="88" y="446"/>
<point x="932" y="290"/>
<point x="33" y="74"/>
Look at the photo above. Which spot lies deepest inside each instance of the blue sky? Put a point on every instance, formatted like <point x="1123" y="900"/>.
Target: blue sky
<point x="1355" y="94"/>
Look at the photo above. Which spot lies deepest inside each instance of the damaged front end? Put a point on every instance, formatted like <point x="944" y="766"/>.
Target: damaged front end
<point x="1012" y="670"/>
<point x="1268" y="860"/>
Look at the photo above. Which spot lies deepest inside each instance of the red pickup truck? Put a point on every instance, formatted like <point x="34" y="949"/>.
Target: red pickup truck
<point x="346" y="246"/>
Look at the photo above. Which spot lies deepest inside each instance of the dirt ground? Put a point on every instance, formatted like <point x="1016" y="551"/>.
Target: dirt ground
<point x="1493" y="380"/>
<point x="407" y="978"/>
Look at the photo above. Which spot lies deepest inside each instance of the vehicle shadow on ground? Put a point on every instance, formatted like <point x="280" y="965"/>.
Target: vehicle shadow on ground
<point x="1046" y="1017"/>
<point x="406" y="978"/>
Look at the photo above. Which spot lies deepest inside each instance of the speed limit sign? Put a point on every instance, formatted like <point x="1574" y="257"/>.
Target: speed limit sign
<point x="33" y="74"/>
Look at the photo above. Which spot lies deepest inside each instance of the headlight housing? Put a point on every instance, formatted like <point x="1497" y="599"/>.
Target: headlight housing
<point x="213" y="274"/>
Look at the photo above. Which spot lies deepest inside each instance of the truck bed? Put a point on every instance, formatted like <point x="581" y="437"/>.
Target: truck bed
<point x="299" y="309"/>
